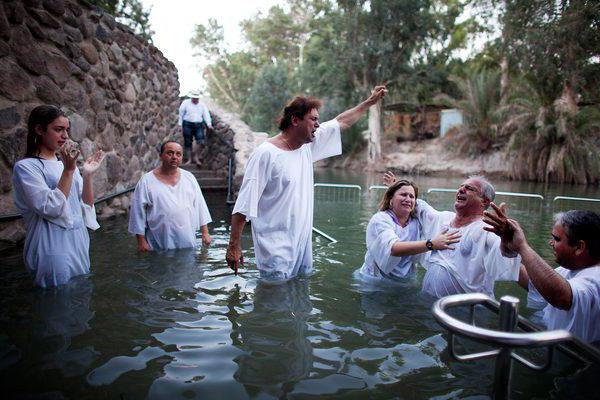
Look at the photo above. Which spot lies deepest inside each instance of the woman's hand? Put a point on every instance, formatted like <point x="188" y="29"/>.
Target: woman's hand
<point x="68" y="155"/>
<point x="92" y="164"/>
<point x="445" y="239"/>
<point x="389" y="178"/>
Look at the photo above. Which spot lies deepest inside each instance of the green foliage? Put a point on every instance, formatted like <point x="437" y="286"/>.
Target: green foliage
<point x="479" y="99"/>
<point x="565" y="146"/>
<point x="130" y="13"/>
<point x="268" y="95"/>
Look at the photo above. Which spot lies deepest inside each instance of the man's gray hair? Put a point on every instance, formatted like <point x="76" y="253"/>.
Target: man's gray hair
<point x="487" y="189"/>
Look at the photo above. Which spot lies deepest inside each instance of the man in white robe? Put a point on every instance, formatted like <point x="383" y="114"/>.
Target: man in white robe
<point x="167" y="207"/>
<point x="570" y="294"/>
<point x="277" y="190"/>
<point x="478" y="260"/>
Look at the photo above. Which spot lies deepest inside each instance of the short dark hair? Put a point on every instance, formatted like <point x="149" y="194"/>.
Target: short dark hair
<point x="40" y="116"/>
<point x="581" y="225"/>
<point x="298" y="107"/>
<point x="163" y="144"/>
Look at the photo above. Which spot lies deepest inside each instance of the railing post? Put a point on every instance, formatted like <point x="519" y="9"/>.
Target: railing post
<point x="509" y="308"/>
<point x="230" y="181"/>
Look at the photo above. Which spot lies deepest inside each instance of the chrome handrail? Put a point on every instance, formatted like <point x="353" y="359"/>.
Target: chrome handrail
<point x="506" y="340"/>
<point x="514" y="194"/>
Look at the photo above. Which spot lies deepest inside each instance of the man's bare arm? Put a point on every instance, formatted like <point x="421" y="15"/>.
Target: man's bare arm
<point x="349" y="117"/>
<point x="549" y="283"/>
<point x="234" y="255"/>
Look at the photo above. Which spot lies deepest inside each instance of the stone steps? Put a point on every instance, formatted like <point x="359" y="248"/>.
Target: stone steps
<point x="207" y="179"/>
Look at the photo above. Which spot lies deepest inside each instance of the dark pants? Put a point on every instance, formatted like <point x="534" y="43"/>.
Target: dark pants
<point x="192" y="130"/>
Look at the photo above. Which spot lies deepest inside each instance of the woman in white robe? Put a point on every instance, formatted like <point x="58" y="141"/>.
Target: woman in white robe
<point x="55" y="199"/>
<point x="393" y="236"/>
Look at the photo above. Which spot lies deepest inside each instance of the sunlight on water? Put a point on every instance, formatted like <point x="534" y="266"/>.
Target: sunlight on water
<point x="180" y="325"/>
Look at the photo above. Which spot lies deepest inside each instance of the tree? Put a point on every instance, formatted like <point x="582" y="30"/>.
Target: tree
<point x="130" y="13"/>
<point x="381" y="42"/>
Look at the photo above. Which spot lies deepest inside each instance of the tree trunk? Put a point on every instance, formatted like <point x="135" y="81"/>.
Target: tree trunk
<point x="375" y="133"/>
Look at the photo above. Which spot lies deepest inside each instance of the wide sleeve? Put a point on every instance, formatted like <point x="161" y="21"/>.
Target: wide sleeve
<point x="584" y="317"/>
<point x="88" y="212"/>
<point x="381" y="236"/>
<point x="256" y="177"/>
<point x="429" y="218"/>
<point x="328" y="141"/>
<point x="181" y="112"/>
<point x="499" y="267"/>
<point x="201" y="208"/>
<point x="50" y="204"/>
<point x="137" y="211"/>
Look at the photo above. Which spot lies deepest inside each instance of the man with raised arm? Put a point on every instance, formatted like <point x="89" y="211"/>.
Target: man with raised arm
<point x="167" y="207"/>
<point x="569" y="294"/>
<point x="277" y="191"/>
<point x="478" y="260"/>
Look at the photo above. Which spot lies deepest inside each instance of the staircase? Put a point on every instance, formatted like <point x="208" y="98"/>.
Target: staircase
<point x="207" y="179"/>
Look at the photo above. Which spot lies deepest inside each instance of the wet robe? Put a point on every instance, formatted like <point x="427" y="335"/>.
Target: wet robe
<point x="277" y="197"/>
<point x="168" y="216"/>
<point x="583" y="318"/>
<point x="473" y="266"/>
<point x="57" y="241"/>
<point x="382" y="233"/>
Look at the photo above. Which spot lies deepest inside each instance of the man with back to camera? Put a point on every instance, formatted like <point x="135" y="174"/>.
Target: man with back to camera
<point x="167" y="207"/>
<point x="479" y="259"/>
<point x="193" y="115"/>
<point x="570" y="294"/>
<point x="277" y="190"/>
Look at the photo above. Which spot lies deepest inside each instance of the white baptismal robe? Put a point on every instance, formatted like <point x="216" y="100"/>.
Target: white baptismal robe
<point x="168" y="216"/>
<point x="583" y="318"/>
<point x="57" y="242"/>
<point x="474" y="265"/>
<point x="382" y="233"/>
<point x="277" y="197"/>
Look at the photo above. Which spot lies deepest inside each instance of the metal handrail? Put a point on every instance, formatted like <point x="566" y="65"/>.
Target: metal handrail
<point x="11" y="217"/>
<point x="378" y="187"/>
<point x="326" y="236"/>
<point x="506" y="339"/>
<point x="574" y="198"/>
<point x="515" y="194"/>
<point x="338" y="185"/>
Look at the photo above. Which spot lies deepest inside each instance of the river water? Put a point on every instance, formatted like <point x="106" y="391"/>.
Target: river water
<point x="179" y="325"/>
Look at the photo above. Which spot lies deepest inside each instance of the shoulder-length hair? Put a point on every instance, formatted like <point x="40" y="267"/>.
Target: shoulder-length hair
<point x="389" y="194"/>
<point x="41" y="117"/>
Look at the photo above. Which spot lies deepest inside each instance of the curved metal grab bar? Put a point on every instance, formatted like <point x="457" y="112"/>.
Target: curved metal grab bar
<point x="514" y="194"/>
<point x="504" y="339"/>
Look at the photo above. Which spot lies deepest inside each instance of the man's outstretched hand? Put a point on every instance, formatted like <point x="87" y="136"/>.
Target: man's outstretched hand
<point x="510" y="232"/>
<point x="389" y="178"/>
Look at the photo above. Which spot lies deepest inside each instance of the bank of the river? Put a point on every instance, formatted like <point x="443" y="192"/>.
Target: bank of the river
<point x="430" y="157"/>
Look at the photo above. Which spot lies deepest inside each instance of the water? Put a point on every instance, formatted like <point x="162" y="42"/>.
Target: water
<point x="179" y="325"/>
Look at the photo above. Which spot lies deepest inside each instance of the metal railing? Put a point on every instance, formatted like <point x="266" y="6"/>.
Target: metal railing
<point x="514" y="194"/>
<point x="506" y="340"/>
<point x="557" y="198"/>
<point x="11" y="217"/>
<point x="230" y="182"/>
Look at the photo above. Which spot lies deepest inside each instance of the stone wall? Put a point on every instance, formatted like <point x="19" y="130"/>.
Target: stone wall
<point x="120" y="93"/>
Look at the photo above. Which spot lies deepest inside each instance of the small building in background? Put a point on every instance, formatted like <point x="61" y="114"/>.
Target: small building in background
<point x="409" y="121"/>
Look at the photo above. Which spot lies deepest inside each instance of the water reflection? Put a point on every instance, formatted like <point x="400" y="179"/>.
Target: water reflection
<point x="274" y="335"/>
<point x="64" y="314"/>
